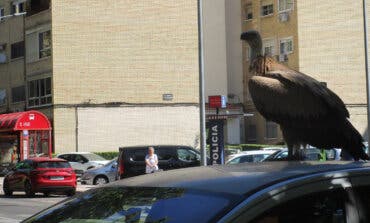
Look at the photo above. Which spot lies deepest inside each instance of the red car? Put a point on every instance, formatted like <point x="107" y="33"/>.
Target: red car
<point x="41" y="175"/>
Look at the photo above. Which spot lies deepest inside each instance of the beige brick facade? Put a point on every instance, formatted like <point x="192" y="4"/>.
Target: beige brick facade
<point x="103" y="49"/>
<point x="122" y="52"/>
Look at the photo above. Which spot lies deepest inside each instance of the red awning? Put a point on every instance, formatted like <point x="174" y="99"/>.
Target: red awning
<point x="29" y="120"/>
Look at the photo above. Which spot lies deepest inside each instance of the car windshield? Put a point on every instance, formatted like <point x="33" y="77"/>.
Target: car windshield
<point x="93" y="157"/>
<point x="53" y="164"/>
<point x="134" y="204"/>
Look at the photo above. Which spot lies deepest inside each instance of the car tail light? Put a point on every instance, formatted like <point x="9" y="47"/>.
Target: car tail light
<point x="121" y="169"/>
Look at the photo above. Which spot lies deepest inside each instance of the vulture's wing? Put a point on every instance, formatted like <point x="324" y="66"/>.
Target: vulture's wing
<point x="287" y="95"/>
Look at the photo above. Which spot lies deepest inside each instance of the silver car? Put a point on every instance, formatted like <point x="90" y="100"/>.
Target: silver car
<point x="100" y="175"/>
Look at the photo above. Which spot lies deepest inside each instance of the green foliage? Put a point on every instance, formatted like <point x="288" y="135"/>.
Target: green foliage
<point x="107" y="155"/>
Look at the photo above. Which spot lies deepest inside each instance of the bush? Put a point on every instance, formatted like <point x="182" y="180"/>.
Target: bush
<point x="107" y="155"/>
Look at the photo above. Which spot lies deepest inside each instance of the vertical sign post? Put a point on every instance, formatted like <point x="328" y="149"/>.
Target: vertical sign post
<point x="216" y="140"/>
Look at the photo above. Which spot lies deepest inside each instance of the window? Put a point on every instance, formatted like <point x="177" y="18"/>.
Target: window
<point x="268" y="47"/>
<point x="164" y="154"/>
<point x="286" y="46"/>
<point x="271" y="130"/>
<point x="2" y="96"/>
<point x="18" y="94"/>
<point x="2" y="13"/>
<point x="327" y="206"/>
<point x="53" y="164"/>
<point x="187" y="155"/>
<point x="285" y="5"/>
<point x="36" y="6"/>
<point x="45" y="44"/>
<point x="248" y="10"/>
<point x="252" y="133"/>
<point x="18" y="7"/>
<point x="39" y="92"/>
<point x="17" y="50"/>
<point x="267" y="8"/>
<point x="247" y="53"/>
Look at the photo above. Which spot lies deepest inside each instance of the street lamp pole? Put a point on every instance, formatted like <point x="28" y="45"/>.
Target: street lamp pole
<point x="366" y="68"/>
<point x="202" y="108"/>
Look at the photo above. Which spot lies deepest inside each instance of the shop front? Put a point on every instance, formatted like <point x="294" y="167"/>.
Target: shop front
<point x="24" y="135"/>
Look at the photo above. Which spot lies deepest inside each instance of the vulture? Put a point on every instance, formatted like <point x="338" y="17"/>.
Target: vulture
<point x="306" y="110"/>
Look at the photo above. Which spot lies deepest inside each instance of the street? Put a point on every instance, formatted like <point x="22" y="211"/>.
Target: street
<point x="19" y="207"/>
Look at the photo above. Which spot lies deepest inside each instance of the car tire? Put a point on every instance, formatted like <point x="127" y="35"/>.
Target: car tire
<point x="28" y="189"/>
<point x="100" y="180"/>
<point x="6" y="189"/>
<point x="70" y="193"/>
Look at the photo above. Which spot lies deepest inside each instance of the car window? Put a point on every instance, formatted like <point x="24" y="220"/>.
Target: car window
<point x="246" y="159"/>
<point x="259" y="157"/>
<point x="93" y="157"/>
<point x="80" y="158"/>
<point x="136" y="155"/>
<point x="235" y="161"/>
<point x="24" y="165"/>
<point x="282" y="155"/>
<point x="164" y="154"/>
<point x="328" y="206"/>
<point x="53" y="164"/>
<point x="65" y="157"/>
<point x="119" y="204"/>
<point x="187" y="155"/>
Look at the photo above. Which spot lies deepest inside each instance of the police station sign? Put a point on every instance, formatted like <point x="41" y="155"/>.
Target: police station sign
<point x="216" y="140"/>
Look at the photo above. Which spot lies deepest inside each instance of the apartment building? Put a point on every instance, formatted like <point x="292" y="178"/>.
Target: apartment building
<point x="107" y="74"/>
<point x="12" y="66"/>
<point x="223" y="65"/>
<point x="323" y="39"/>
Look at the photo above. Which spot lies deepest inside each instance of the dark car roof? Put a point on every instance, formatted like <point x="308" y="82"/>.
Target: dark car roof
<point x="155" y="146"/>
<point x="236" y="179"/>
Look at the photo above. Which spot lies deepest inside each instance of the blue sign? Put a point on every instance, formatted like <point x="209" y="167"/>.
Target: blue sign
<point x="216" y="140"/>
<point x="223" y="101"/>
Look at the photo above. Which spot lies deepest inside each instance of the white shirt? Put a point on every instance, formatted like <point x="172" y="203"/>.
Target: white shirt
<point x="152" y="160"/>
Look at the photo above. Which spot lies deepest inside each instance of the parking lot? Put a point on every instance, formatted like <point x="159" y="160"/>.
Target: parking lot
<point x="19" y="207"/>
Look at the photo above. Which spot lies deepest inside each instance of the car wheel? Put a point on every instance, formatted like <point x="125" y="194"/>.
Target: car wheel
<point x="6" y="189"/>
<point x="99" y="180"/>
<point x="28" y="189"/>
<point x="71" y="192"/>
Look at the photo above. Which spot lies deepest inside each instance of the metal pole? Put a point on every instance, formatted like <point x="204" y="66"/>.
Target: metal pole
<point x="366" y="69"/>
<point x="201" y="85"/>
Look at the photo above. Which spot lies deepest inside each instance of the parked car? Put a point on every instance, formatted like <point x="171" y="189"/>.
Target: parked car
<point x="249" y="156"/>
<point x="230" y="152"/>
<point x="100" y="175"/>
<point x="82" y="161"/>
<point x="311" y="153"/>
<point x="306" y="192"/>
<point x="41" y="175"/>
<point x="131" y="160"/>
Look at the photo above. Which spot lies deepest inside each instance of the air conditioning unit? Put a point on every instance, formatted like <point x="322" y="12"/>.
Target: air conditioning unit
<point x="283" y="17"/>
<point x="283" y="58"/>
